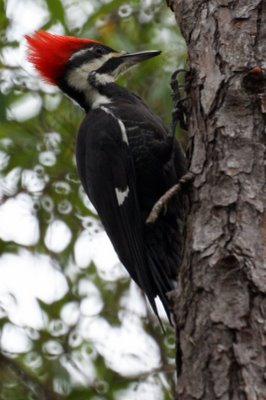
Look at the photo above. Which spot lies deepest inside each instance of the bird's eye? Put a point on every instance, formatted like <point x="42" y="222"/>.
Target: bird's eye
<point x="99" y="50"/>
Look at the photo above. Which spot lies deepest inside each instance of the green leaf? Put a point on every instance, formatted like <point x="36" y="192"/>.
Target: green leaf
<point x="104" y="10"/>
<point x="3" y="18"/>
<point x="2" y="108"/>
<point x="56" y="10"/>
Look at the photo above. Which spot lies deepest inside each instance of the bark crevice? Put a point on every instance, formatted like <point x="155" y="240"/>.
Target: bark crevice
<point x="220" y="307"/>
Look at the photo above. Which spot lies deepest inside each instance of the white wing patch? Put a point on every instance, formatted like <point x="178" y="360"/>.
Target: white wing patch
<point x="120" y="123"/>
<point x="123" y="131"/>
<point x="121" y="195"/>
<point x="108" y="111"/>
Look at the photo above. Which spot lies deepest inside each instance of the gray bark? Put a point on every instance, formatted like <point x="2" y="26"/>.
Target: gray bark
<point x="221" y="304"/>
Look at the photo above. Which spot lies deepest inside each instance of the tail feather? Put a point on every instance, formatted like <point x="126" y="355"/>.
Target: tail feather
<point x="163" y="248"/>
<point x="161" y="281"/>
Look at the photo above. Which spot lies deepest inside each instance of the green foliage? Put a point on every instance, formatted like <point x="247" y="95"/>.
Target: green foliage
<point x="56" y="11"/>
<point x="37" y="159"/>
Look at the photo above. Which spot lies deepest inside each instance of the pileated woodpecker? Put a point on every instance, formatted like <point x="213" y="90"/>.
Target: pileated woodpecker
<point x="126" y="157"/>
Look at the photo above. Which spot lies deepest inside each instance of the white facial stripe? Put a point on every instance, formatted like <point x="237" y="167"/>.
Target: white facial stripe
<point x="96" y="99"/>
<point x="79" y="53"/>
<point x="103" y="79"/>
<point x="79" y="81"/>
<point x="78" y="77"/>
<point x="88" y="67"/>
<point x="121" y="195"/>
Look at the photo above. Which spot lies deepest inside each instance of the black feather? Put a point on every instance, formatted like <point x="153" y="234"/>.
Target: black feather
<point x="146" y="167"/>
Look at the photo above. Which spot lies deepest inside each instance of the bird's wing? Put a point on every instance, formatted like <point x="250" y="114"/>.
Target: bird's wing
<point x="106" y="170"/>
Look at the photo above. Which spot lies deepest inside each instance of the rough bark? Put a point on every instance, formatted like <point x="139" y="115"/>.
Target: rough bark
<point x="221" y="303"/>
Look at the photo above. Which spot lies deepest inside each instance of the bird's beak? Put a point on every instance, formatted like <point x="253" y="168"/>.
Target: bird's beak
<point x="122" y="61"/>
<point x="134" y="58"/>
<point x="126" y="61"/>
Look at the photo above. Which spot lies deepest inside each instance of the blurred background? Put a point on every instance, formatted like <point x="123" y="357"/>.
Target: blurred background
<point x="72" y="325"/>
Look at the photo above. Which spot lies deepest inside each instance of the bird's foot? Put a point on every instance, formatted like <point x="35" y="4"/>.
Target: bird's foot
<point x="179" y="113"/>
<point x="170" y="4"/>
<point x="166" y="197"/>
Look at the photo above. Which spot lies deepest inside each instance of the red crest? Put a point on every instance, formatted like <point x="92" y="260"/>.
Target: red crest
<point x="49" y="53"/>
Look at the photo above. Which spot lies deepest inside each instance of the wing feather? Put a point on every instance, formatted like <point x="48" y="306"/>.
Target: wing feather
<point x="106" y="169"/>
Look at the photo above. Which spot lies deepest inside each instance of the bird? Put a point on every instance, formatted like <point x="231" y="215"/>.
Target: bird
<point x="126" y="157"/>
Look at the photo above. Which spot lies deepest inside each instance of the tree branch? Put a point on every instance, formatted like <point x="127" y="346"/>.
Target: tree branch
<point x="27" y="380"/>
<point x="163" y="201"/>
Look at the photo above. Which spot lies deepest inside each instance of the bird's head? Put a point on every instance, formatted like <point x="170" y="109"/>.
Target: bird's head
<point x="66" y="60"/>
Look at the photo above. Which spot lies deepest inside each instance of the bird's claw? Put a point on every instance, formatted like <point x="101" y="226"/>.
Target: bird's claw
<point x="167" y="196"/>
<point x="179" y="113"/>
<point x="170" y="4"/>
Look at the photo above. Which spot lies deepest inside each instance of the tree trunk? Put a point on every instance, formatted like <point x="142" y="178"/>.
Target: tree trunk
<point x="221" y="304"/>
